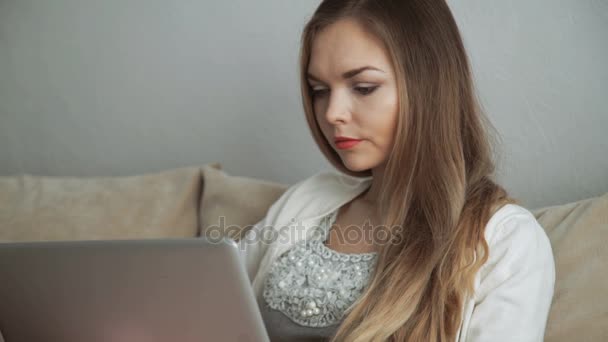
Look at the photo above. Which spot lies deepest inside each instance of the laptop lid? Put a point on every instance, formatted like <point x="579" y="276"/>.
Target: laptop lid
<point x="126" y="290"/>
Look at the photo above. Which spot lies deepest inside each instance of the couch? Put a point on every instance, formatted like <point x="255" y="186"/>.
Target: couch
<point x="185" y="202"/>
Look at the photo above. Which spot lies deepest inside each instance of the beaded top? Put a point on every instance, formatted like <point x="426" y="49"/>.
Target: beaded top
<point x="313" y="284"/>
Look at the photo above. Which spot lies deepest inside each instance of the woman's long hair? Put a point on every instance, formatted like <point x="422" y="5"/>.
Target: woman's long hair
<point x="438" y="191"/>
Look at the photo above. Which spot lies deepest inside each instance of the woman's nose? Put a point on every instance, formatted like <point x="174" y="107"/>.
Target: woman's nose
<point x="337" y="109"/>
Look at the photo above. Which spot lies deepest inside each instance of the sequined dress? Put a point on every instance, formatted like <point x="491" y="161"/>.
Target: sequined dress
<point x="309" y="287"/>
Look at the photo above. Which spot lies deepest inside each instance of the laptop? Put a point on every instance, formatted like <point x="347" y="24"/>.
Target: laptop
<point x="183" y="290"/>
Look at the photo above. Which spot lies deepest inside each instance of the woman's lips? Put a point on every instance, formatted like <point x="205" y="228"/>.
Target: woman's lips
<point x="346" y="144"/>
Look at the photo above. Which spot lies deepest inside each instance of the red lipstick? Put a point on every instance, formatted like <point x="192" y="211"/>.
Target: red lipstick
<point x="346" y="142"/>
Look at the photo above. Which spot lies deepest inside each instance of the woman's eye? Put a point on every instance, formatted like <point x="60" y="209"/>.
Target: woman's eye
<point x="362" y="90"/>
<point x="366" y="90"/>
<point x="318" y="92"/>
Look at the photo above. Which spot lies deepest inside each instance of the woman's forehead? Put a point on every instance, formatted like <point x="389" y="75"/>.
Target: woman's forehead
<point x="344" y="46"/>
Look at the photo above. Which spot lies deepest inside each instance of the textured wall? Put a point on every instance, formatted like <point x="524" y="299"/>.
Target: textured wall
<point x="121" y="87"/>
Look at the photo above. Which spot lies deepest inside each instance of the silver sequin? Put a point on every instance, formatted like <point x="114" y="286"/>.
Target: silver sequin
<point x="313" y="284"/>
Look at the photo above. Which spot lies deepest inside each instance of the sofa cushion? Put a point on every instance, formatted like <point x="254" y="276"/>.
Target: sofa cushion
<point x="155" y="205"/>
<point x="579" y="237"/>
<point x="231" y="205"/>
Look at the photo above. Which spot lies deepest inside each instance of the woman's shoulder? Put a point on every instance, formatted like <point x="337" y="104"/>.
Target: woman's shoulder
<point x="513" y="223"/>
<point x="332" y="180"/>
<point x="327" y="184"/>
<point x="517" y="244"/>
<point x="318" y="192"/>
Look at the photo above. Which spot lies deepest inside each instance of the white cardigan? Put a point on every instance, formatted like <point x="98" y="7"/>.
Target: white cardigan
<point x="514" y="288"/>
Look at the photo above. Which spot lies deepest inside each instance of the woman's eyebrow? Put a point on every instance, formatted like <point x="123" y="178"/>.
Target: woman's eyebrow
<point x="348" y="74"/>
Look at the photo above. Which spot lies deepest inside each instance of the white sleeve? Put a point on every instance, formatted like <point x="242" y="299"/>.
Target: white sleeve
<point x="252" y="245"/>
<point x="251" y="248"/>
<point x="514" y="296"/>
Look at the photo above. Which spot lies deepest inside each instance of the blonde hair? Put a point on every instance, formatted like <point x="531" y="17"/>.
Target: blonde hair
<point x="438" y="191"/>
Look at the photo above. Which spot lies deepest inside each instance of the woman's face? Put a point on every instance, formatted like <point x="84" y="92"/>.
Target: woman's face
<point x="361" y="105"/>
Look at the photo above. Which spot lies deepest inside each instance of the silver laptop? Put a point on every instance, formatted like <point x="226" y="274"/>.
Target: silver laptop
<point x="183" y="290"/>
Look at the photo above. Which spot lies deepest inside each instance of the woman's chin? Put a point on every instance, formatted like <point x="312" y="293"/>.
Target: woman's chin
<point x="355" y="165"/>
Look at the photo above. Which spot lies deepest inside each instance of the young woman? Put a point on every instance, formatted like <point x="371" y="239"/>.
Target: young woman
<point x="388" y="96"/>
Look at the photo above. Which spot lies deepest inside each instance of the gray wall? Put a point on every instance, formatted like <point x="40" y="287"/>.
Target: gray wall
<point x="117" y="87"/>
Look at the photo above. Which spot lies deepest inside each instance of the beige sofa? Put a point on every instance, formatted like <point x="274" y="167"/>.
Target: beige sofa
<point x="185" y="202"/>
